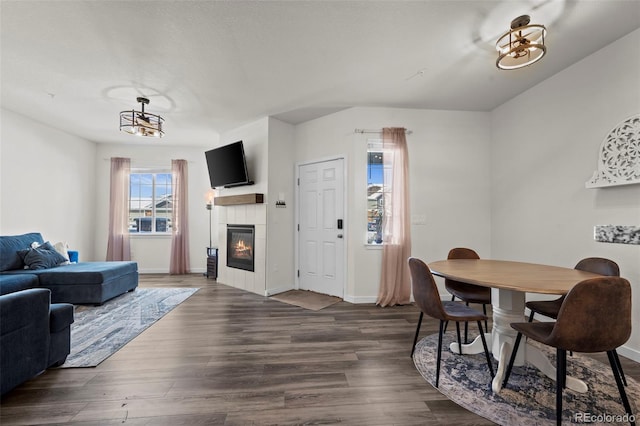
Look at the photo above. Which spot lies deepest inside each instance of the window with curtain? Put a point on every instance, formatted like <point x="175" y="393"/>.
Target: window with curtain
<point x="395" y="285"/>
<point x="376" y="191"/>
<point x="150" y="201"/>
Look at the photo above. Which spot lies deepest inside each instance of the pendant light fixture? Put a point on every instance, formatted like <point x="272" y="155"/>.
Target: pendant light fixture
<point x="141" y="123"/>
<point x="522" y="45"/>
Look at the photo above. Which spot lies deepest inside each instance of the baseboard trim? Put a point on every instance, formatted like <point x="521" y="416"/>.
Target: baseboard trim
<point x="359" y="299"/>
<point x="166" y="271"/>
<point x="371" y="299"/>
<point x="273" y="291"/>
<point x="627" y="352"/>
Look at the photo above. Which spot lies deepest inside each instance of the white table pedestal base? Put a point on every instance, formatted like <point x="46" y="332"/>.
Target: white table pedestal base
<point x="538" y="359"/>
<point x="474" y="347"/>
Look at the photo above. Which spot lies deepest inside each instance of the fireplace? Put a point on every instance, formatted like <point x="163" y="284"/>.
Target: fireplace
<point x="240" y="246"/>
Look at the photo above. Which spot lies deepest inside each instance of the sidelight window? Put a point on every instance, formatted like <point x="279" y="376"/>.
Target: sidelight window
<point x="376" y="191"/>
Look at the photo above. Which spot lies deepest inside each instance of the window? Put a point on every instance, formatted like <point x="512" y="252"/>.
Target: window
<point x="150" y="202"/>
<point x="375" y="191"/>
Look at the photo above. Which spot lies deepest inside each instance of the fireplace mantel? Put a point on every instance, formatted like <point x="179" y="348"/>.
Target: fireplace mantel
<point x="234" y="200"/>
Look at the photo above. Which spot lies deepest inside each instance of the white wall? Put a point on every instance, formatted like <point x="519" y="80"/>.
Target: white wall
<point x="545" y="147"/>
<point x="449" y="182"/>
<point x="153" y="252"/>
<point x="280" y="220"/>
<point x="47" y="183"/>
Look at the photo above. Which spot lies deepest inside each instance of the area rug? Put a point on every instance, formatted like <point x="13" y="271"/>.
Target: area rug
<point x="306" y="299"/>
<point x="529" y="398"/>
<point x="100" y="331"/>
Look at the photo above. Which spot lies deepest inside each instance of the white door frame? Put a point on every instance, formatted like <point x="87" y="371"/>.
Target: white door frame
<point x="345" y="222"/>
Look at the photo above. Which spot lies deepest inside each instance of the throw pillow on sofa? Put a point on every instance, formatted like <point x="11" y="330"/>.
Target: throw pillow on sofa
<point x="63" y="249"/>
<point x="41" y="257"/>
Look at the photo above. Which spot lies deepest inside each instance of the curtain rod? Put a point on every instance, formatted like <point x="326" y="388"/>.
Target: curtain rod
<point x="406" y="131"/>
<point x="142" y="161"/>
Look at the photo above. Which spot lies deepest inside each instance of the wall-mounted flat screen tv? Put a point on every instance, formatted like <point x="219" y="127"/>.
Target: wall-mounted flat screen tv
<point x="227" y="166"/>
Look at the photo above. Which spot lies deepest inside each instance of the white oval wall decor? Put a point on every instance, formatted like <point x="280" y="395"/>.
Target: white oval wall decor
<point x="619" y="158"/>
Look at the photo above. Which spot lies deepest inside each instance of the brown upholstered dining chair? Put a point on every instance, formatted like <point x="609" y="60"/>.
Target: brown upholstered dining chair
<point x="427" y="297"/>
<point x="468" y="293"/>
<point x="597" y="265"/>
<point x="595" y="316"/>
<point x="550" y="308"/>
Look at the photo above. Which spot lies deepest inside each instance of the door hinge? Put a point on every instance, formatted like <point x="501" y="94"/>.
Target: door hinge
<point x="298" y="181"/>
<point x="298" y="272"/>
<point x="298" y="227"/>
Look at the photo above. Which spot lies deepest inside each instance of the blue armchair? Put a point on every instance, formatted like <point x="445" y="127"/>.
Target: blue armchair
<point x="34" y="335"/>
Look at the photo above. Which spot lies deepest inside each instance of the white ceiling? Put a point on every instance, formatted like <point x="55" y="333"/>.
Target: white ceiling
<point x="210" y="66"/>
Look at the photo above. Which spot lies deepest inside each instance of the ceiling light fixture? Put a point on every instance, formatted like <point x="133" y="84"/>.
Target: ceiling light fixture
<point x="522" y="45"/>
<point x="141" y="123"/>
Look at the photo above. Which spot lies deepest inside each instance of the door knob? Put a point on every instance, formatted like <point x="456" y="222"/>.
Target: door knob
<point x="339" y="235"/>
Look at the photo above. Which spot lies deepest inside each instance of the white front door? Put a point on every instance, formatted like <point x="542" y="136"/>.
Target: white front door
<point x="321" y="236"/>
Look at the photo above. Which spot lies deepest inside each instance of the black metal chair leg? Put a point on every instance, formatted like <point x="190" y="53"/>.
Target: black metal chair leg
<point x="512" y="359"/>
<point x="486" y="349"/>
<point x="466" y="329"/>
<point x="623" y="393"/>
<point x="531" y="316"/>
<point x="565" y="369"/>
<point x="615" y="355"/>
<point x="459" y="340"/>
<point x="415" y="339"/>
<point x="453" y="298"/>
<point x="561" y="365"/>
<point x="439" y="352"/>
<point x="486" y="321"/>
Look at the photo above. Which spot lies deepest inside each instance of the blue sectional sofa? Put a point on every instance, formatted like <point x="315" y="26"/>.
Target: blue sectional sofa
<point x="36" y="310"/>
<point x="77" y="283"/>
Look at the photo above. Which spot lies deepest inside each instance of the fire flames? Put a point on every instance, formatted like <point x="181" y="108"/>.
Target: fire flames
<point x="242" y="250"/>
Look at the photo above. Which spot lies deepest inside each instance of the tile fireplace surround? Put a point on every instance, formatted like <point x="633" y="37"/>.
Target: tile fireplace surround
<point x="246" y="214"/>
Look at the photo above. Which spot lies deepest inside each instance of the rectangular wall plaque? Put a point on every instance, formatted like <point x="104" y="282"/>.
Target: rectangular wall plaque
<point x="620" y="234"/>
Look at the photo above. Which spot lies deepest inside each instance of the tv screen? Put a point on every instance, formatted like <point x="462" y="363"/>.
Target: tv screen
<point x="227" y="166"/>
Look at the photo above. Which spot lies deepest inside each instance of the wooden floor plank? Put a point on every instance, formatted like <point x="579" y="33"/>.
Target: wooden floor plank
<point x="229" y="357"/>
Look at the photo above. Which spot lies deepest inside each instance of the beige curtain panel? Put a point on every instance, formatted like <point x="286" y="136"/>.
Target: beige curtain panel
<point x="395" y="281"/>
<point x="118" y="247"/>
<point x="179" y="263"/>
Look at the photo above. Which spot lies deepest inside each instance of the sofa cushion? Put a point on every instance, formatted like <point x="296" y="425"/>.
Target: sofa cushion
<point x="11" y="244"/>
<point x="63" y="249"/>
<point x="61" y="316"/>
<point x="13" y="283"/>
<point x="41" y="257"/>
<point x="86" y="282"/>
<point x="84" y="273"/>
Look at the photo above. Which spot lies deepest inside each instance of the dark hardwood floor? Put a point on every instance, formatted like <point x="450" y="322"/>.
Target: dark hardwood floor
<point x="230" y="357"/>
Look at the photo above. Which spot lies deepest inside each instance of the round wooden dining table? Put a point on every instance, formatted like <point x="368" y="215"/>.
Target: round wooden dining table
<point x="509" y="282"/>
